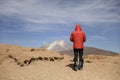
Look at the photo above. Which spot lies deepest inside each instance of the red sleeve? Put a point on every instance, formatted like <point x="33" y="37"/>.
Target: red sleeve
<point x="71" y="37"/>
<point x="84" y="37"/>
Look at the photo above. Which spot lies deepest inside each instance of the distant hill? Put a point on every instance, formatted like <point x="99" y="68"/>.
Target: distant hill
<point x="64" y="47"/>
<point x="92" y="51"/>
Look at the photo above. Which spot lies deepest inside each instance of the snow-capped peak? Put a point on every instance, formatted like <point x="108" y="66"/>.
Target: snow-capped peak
<point x="58" y="45"/>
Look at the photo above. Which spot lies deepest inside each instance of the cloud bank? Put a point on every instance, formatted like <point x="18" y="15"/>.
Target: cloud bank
<point x="38" y="12"/>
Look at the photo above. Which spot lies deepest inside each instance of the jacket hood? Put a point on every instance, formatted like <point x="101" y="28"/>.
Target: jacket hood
<point x="78" y="27"/>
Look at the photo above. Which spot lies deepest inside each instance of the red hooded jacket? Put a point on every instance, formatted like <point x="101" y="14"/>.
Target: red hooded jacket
<point x="78" y="38"/>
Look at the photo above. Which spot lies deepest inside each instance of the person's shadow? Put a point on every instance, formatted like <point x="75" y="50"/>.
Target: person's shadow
<point x="71" y="66"/>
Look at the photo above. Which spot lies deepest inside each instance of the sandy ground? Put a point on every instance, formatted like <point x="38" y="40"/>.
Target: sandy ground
<point x="95" y="67"/>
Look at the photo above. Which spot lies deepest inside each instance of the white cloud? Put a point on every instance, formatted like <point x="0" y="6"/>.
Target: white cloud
<point x="57" y="12"/>
<point x="40" y="11"/>
<point x="97" y="37"/>
<point x="41" y="28"/>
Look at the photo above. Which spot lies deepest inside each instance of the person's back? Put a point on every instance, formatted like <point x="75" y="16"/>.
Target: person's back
<point x="78" y="38"/>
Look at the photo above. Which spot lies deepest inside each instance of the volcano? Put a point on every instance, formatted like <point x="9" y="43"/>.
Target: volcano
<point x="65" y="47"/>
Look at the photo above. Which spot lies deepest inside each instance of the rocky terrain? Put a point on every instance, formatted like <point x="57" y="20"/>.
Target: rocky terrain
<point x="21" y="63"/>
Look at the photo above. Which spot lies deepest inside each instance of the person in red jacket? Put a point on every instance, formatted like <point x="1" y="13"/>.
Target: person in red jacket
<point x="78" y="38"/>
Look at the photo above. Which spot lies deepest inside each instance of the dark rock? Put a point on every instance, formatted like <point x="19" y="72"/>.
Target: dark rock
<point x="10" y="56"/>
<point x="51" y="59"/>
<point x="56" y="58"/>
<point x="26" y="62"/>
<point x="88" y="61"/>
<point x="32" y="59"/>
<point x="40" y="58"/>
<point x="18" y="63"/>
<point x="21" y="65"/>
<point x="45" y="58"/>
<point x="32" y="50"/>
<point x="15" y="60"/>
<point x="37" y="58"/>
<point x="61" y="58"/>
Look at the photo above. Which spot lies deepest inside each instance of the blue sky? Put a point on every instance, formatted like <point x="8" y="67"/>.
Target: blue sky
<point x="33" y="23"/>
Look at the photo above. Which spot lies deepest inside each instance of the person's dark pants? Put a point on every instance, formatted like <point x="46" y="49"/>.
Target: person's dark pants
<point x="78" y="53"/>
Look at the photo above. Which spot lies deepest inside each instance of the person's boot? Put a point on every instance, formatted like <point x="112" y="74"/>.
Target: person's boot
<point x="80" y="66"/>
<point x="75" y="67"/>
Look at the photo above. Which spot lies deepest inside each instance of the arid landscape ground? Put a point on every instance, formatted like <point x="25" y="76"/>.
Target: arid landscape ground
<point x="21" y="63"/>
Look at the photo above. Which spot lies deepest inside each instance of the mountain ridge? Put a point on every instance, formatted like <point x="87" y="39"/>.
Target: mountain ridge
<point x="92" y="51"/>
<point x="67" y="49"/>
<point x="58" y="45"/>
